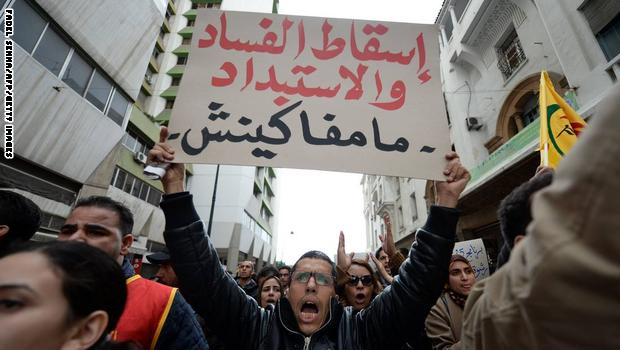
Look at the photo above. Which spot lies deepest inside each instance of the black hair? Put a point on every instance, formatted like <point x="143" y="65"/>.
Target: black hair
<point x="288" y="268"/>
<point x="21" y="215"/>
<point x="268" y="271"/>
<point x="265" y="274"/>
<point x="514" y="211"/>
<point x="315" y="254"/>
<point x="378" y="252"/>
<point x="90" y="279"/>
<point x="124" y="215"/>
<point x="404" y="252"/>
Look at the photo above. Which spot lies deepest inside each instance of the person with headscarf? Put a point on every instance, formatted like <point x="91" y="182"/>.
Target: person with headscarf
<point x="444" y="322"/>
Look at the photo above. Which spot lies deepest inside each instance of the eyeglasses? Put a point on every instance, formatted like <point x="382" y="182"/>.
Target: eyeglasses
<point x="354" y="280"/>
<point x="321" y="279"/>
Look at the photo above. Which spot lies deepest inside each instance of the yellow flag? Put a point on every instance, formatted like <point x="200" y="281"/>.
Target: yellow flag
<point x="560" y="125"/>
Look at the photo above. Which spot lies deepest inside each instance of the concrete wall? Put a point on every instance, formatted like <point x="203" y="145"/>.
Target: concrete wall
<point x="118" y="34"/>
<point x="58" y="130"/>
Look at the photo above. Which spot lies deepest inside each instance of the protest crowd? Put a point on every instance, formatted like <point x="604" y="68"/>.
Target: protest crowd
<point x="557" y="287"/>
<point x="555" y="282"/>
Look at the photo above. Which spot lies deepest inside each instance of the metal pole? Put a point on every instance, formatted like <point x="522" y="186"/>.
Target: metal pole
<point x="217" y="174"/>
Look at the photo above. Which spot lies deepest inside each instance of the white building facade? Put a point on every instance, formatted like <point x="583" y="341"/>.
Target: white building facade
<point x="400" y="198"/>
<point x="492" y="53"/>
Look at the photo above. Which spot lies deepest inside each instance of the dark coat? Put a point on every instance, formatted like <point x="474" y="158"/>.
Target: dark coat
<point x="387" y="323"/>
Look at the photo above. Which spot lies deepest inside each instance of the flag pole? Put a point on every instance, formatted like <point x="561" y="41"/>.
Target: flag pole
<point x="546" y="154"/>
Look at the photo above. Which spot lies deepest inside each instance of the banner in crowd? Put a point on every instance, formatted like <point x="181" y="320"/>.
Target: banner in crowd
<point x="475" y="252"/>
<point x="317" y="93"/>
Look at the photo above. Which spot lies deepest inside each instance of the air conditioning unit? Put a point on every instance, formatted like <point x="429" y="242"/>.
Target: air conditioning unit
<point x="473" y="123"/>
<point x="140" y="157"/>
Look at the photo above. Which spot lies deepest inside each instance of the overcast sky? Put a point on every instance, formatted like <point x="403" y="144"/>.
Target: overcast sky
<point x="316" y="205"/>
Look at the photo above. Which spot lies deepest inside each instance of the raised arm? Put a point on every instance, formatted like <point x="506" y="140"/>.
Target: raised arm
<point x="207" y="287"/>
<point x="398" y="314"/>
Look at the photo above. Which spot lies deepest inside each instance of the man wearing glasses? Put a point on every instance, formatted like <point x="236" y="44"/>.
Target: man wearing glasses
<point x="309" y="317"/>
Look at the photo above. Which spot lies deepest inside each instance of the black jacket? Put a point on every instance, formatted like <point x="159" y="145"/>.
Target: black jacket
<point x="394" y="317"/>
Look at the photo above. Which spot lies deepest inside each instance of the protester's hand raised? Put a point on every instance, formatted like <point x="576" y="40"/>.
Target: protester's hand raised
<point x="174" y="179"/>
<point x="343" y="259"/>
<point x="457" y="177"/>
<point x="387" y="240"/>
<point x="382" y="271"/>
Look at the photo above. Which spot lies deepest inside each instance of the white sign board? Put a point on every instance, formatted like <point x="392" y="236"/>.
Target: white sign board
<point x="475" y="252"/>
<point x="316" y="93"/>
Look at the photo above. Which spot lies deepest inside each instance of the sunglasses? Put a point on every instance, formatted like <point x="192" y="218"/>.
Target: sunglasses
<point x="354" y="280"/>
<point x="321" y="279"/>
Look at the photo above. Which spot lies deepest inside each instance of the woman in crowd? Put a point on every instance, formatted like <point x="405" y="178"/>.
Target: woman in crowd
<point x="444" y="322"/>
<point x="269" y="286"/>
<point x="59" y="296"/>
<point x="359" y="286"/>
<point x="356" y="284"/>
<point x="270" y="291"/>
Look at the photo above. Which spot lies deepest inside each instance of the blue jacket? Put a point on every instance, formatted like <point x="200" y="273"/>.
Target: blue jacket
<point x="180" y="330"/>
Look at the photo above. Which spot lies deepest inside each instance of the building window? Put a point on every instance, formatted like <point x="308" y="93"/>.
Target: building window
<point x="603" y="16"/>
<point x="182" y="61"/>
<point x="156" y="53"/>
<point x="191" y="22"/>
<point x="135" y="143"/>
<point x="78" y="73"/>
<point x="196" y="5"/>
<point x="118" y="107"/>
<point x="51" y="223"/>
<point x="169" y="104"/>
<point x="414" y="207"/>
<point x="136" y="187"/>
<point x="28" y="25"/>
<point x="176" y="81"/>
<point x="448" y="27"/>
<point x="52" y="51"/>
<point x="530" y="110"/>
<point x="186" y="41"/>
<point x="459" y="8"/>
<point x="264" y="214"/>
<point x="99" y="91"/>
<point x="148" y="76"/>
<point x="609" y="38"/>
<point x="510" y="55"/>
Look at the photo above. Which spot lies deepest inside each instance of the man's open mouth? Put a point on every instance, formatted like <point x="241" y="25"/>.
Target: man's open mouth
<point x="309" y="312"/>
